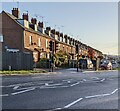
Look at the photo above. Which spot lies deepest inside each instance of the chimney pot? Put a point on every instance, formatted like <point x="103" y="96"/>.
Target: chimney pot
<point x="53" y="31"/>
<point x="16" y="12"/>
<point x="34" y="21"/>
<point x="25" y="16"/>
<point x="48" y="28"/>
<point x="40" y="24"/>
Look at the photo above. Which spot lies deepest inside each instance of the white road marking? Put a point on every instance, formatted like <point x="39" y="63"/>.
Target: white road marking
<point x="75" y="84"/>
<point x="69" y="81"/>
<point x="16" y="87"/>
<point x="54" y="84"/>
<point x="101" y="95"/>
<point x="95" y="78"/>
<point x="87" y="97"/>
<point x="4" y="95"/>
<point x="46" y="84"/>
<point x="25" y="88"/>
<point x="84" y="80"/>
<point x="22" y="91"/>
<point x="114" y="91"/>
<point x="74" y="102"/>
<point x="54" y="109"/>
<point x="64" y="86"/>
<point x="27" y="83"/>
<point x="102" y="80"/>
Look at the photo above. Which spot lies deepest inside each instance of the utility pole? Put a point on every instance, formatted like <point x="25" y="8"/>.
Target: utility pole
<point x="51" y="48"/>
<point x="77" y="52"/>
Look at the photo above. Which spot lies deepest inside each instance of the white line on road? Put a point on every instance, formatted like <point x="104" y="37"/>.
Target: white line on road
<point x="101" y="95"/>
<point x="69" y="81"/>
<point x="95" y="78"/>
<point x="75" y="84"/>
<point x="102" y="80"/>
<point x="114" y="91"/>
<point x="54" y="84"/>
<point x="22" y="91"/>
<point x="84" y="80"/>
<point x="4" y="95"/>
<point x="74" y="102"/>
<point x="97" y="96"/>
<point x="16" y="87"/>
<point x="56" y="109"/>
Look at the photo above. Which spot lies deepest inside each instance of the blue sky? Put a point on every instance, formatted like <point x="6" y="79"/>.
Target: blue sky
<point x="93" y="23"/>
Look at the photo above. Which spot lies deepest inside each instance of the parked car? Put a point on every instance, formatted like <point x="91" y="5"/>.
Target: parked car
<point x="89" y="64"/>
<point x="106" y="66"/>
<point x="85" y="64"/>
<point x="114" y="64"/>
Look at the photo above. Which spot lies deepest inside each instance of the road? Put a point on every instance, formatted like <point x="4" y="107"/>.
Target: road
<point x="65" y="89"/>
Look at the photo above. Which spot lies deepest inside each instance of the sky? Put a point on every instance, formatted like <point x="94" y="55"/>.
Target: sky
<point x="93" y="23"/>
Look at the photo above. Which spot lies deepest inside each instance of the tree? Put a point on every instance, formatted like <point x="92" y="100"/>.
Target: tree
<point x="91" y="53"/>
<point x="61" y="58"/>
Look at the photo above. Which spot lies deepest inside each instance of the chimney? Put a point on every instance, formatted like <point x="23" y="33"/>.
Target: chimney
<point x="34" y="21"/>
<point x="61" y="34"/>
<point x="61" y="37"/>
<point x="48" y="30"/>
<point x="25" y="16"/>
<point x="66" y="38"/>
<point x="40" y="24"/>
<point x="16" y="12"/>
<point x="53" y="31"/>
<point x="57" y="33"/>
<point x="34" y="24"/>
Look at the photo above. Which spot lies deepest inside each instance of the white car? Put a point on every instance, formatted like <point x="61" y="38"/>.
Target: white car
<point x="89" y="64"/>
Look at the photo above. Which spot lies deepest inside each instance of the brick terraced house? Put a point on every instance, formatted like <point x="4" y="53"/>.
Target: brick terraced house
<point x="20" y="34"/>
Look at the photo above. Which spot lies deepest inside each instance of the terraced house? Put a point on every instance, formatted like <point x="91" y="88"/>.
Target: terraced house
<point x="20" y="34"/>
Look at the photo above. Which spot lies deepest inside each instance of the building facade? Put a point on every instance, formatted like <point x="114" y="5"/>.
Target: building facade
<point x="21" y="34"/>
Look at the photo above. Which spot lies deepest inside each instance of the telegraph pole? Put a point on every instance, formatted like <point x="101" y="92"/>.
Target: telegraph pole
<point x="51" y="48"/>
<point x="77" y="52"/>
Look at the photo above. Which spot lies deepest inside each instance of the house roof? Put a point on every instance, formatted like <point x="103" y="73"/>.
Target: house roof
<point x="28" y="29"/>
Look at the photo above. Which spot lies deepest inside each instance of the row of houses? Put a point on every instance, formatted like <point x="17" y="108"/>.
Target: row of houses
<point x="20" y="34"/>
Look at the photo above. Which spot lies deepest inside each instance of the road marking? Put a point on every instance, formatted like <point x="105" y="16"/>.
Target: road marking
<point x="69" y="81"/>
<point x="87" y="97"/>
<point x="95" y="78"/>
<point x="22" y="91"/>
<point x="114" y="91"/>
<point x="46" y="84"/>
<point x="56" y="109"/>
<point x="16" y="87"/>
<point x="84" y="80"/>
<point x="25" y="88"/>
<point x="4" y="95"/>
<point x="102" y="80"/>
<point x="101" y="95"/>
<point x="54" y="84"/>
<point x="74" y="102"/>
<point x="63" y="86"/>
<point x="75" y="84"/>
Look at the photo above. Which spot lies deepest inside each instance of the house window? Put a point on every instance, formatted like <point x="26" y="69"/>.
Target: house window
<point x="46" y="43"/>
<point x="30" y="40"/>
<point x="39" y="42"/>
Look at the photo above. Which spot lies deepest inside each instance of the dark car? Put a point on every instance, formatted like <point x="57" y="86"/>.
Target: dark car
<point x="106" y="66"/>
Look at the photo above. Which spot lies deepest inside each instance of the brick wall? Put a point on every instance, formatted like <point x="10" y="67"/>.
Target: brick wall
<point x="12" y="33"/>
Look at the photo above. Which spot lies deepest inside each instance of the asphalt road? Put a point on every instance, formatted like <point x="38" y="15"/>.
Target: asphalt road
<point x="65" y="89"/>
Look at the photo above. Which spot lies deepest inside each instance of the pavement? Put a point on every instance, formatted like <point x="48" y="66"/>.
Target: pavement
<point x="68" y="90"/>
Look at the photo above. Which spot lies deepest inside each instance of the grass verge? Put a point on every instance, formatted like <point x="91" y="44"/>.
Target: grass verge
<point x="23" y="72"/>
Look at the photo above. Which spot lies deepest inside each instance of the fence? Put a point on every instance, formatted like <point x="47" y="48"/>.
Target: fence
<point x="17" y="61"/>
